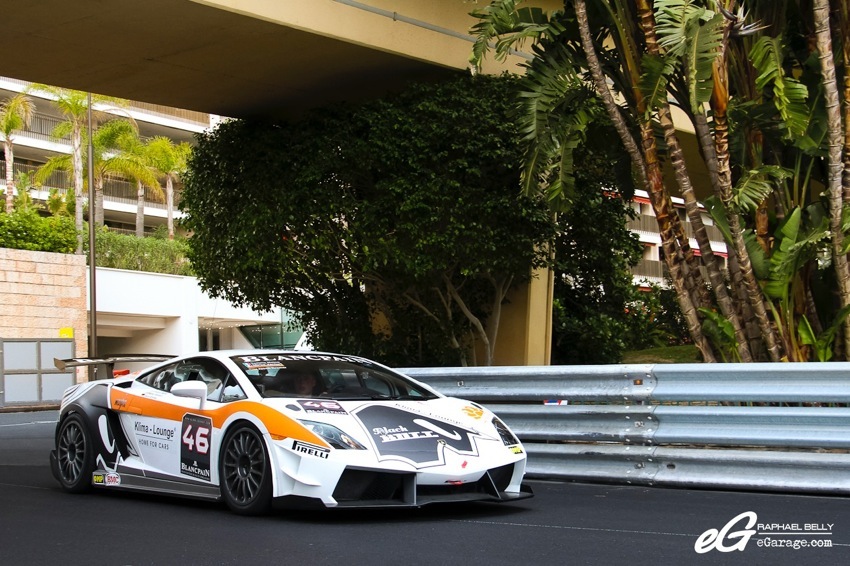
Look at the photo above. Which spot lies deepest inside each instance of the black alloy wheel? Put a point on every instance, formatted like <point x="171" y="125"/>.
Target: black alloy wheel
<point x="246" y="483"/>
<point x="74" y="455"/>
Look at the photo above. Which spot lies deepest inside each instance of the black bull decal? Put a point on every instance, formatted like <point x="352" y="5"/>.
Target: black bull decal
<point x="400" y="434"/>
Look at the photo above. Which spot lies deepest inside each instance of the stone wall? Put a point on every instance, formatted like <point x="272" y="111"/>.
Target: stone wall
<point x="42" y="295"/>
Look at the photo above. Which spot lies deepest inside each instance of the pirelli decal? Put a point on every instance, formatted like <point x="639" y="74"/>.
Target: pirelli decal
<point x="310" y="449"/>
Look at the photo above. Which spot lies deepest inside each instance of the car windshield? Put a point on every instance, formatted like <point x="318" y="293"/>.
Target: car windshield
<point x="326" y="376"/>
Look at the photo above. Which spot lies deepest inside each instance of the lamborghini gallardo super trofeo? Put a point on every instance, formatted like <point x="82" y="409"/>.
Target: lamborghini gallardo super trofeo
<point x="258" y="428"/>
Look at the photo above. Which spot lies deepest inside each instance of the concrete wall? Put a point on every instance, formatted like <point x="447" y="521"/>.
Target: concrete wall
<point x="43" y="295"/>
<point x="139" y="312"/>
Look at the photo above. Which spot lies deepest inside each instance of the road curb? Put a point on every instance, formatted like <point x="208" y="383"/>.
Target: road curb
<point x="29" y="408"/>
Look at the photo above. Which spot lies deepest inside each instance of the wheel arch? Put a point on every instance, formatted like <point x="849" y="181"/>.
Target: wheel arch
<point x="245" y="418"/>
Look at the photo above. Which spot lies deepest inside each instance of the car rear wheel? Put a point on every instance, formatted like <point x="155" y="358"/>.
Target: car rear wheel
<point x="245" y="472"/>
<point x="74" y="455"/>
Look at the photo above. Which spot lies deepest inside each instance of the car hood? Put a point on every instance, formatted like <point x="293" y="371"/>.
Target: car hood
<point x="414" y="431"/>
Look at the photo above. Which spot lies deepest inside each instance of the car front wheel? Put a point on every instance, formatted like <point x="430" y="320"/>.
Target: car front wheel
<point x="245" y="471"/>
<point x="74" y="455"/>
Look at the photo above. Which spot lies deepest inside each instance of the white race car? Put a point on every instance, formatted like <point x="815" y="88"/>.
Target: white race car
<point x="293" y="429"/>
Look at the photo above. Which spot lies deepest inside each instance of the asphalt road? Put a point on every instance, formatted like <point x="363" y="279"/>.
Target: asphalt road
<point x="565" y="523"/>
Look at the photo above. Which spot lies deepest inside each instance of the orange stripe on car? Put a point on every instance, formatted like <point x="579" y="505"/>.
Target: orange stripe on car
<point x="279" y="425"/>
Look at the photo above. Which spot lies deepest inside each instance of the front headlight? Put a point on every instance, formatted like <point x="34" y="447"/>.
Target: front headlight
<point x="333" y="436"/>
<point x="505" y="433"/>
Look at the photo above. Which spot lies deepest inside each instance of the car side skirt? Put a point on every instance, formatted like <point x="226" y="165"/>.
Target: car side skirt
<point x="162" y="486"/>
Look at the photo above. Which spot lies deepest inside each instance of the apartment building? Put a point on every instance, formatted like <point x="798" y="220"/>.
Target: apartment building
<point x="137" y="311"/>
<point x="35" y="145"/>
<point x="652" y="270"/>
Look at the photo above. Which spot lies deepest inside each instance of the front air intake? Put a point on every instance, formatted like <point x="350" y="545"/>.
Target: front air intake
<point x="367" y="485"/>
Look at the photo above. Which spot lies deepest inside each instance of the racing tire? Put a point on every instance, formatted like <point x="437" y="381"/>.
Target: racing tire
<point x="74" y="455"/>
<point x="245" y="471"/>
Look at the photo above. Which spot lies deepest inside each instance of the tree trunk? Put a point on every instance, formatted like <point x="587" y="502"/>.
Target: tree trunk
<point x="719" y="104"/>
<point x="77" y="157"/>
<point x="835" y="165"/>
<point x="736" y="281"/>
<point x="677" y="160"/>
<point x="643" y="160"/>
<point x="9" y="154"/>
<point x="844" y="29"/>
<point x="662" y="206"/>
<point x="718" y="284"/>
<point x="140" y="210"/>
<point x="748" y="318"/>
<point x="478" y="328"/>
<point x="169" y="205"/>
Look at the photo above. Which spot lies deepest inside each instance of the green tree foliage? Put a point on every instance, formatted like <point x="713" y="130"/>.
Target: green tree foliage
<point x="655" y="320"/>
<point x="394" y="229"/>
<point x="757" y="81"/>
<point x="596" y="301"/>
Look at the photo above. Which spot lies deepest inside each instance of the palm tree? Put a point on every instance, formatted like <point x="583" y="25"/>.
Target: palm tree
<point x="142" y="150"/>
<point x="15" y="114"/>
<point x="169" y="161"/>
<point x="836" y="164"/>
<point x="121" y="158"/>
<point x="114" y="156"/>
<point x="74" y="106"/>
<point x="764" y="142"/>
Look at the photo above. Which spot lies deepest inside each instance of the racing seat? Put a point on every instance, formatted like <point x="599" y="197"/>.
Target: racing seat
<point x="166" y="381"/>
<point x="212" y="381"/>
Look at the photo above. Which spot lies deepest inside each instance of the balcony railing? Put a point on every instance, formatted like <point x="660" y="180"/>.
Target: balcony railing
<point x="658" y="270"/>
<point x="113" y="190"/>
<point x="646" y="223"/>
<point x="650" y="268"/>
<point x="42" y="127"/>
<point x="190" y="116"/>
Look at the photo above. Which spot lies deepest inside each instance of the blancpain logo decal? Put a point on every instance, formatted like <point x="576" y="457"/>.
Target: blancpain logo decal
<point x="296" y="357"/>
<point x="194" y="470"/>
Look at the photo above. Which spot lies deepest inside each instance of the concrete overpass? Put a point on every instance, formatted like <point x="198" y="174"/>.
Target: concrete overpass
<point x="261" y="58"/>
<point x="237" y="58"/>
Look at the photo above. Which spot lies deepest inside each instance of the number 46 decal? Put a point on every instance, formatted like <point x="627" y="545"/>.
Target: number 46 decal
<point x="196" y="434"/>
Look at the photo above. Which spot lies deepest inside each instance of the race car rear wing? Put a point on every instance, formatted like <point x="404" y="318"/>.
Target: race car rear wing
<point x="104" y="367"/>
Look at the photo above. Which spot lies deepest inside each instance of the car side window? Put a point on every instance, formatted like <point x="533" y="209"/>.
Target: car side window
<point x="221" y="385"/>
<point x="375" y="385"/>
<point x="228" y="391"/>
<point x="163" y="378"/>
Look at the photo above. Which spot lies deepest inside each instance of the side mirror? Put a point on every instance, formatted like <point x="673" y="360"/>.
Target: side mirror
<point x="195" y="389"/>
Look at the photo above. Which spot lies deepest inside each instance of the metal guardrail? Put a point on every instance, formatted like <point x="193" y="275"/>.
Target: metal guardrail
<point x="771" y="427"/>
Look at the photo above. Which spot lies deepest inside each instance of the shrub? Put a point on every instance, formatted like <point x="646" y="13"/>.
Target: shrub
<point x="155" y="255"/>
<point x="25" y="229"/>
